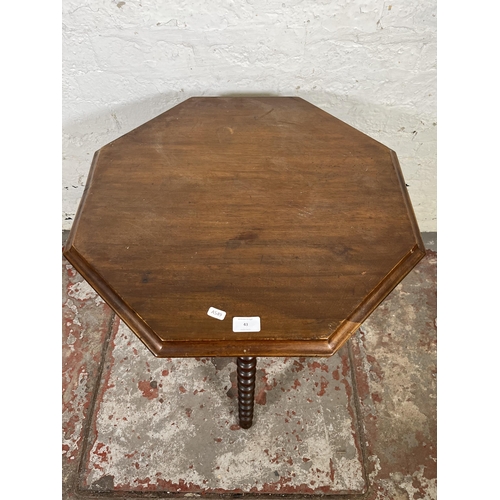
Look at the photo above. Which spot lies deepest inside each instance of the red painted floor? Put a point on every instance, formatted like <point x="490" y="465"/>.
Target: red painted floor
<point x="361" y="424"/>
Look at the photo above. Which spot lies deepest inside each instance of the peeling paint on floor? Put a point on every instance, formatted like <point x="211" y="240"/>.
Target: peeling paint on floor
<point x="171" y="425"/>
<point x="85" y="324"/>
<point x="395" y="363"/>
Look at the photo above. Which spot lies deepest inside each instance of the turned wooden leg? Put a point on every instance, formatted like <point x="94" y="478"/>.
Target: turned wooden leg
<point x="246" y="390"/>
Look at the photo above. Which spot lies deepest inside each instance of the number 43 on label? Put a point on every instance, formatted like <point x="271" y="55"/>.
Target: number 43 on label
<point x="246" y="324"/>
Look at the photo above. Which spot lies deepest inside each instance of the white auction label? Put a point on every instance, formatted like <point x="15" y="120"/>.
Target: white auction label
<point x="216" y="313"/>
<point x="250" y="324"/>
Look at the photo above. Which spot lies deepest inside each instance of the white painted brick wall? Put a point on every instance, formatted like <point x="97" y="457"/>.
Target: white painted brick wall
<point x="371" y="63"/>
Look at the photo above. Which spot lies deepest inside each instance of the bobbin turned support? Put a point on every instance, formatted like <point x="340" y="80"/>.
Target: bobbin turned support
<point x="246" y="389"/>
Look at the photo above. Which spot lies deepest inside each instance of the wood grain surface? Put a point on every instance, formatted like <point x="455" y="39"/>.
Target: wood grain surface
<point x="264" y="207"/>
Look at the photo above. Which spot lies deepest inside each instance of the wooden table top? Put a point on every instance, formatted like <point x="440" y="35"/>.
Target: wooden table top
<point x="260" y="207"/>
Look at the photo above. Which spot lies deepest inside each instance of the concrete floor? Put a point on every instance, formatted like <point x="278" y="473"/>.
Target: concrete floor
<point x="361" y="424"/>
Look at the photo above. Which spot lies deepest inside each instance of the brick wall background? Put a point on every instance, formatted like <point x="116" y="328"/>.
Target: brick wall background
<point x="371" y="63"/>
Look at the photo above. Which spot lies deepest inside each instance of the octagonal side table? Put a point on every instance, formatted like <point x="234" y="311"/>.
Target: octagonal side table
<point x="244" y="227"/>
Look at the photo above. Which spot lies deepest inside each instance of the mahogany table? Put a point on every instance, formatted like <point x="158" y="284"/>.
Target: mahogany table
<point x="244" y="227"/>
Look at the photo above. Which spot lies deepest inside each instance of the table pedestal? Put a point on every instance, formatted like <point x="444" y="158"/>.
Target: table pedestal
<point x="246" y="389"/>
